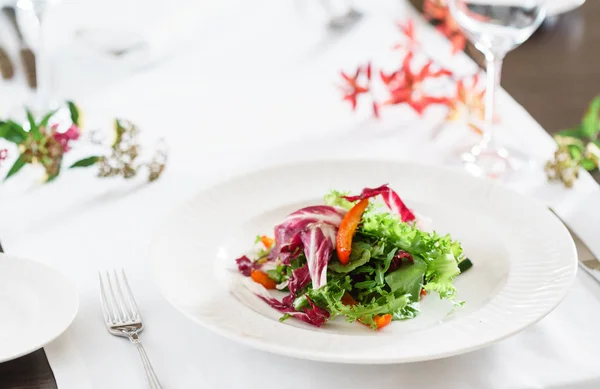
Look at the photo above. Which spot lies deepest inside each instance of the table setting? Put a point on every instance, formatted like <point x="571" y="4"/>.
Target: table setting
<point x="209" y="190"/>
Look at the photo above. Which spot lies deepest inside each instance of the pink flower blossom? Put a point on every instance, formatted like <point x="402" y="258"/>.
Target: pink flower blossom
<point x="65" y="137"/>
<point x="3" y="155"/>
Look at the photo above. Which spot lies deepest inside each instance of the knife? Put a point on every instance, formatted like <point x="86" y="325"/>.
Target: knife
<point x="587" y="257"/>
<point x="27" y="56"/>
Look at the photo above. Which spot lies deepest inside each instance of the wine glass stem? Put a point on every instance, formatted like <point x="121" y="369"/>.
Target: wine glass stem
<point x="494" y="70"/>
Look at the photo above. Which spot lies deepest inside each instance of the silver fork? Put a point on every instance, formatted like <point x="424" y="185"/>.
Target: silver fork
<point x="122" y="316"/>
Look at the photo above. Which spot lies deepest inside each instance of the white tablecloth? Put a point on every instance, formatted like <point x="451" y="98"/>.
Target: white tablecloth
<point x="257" y="88"/>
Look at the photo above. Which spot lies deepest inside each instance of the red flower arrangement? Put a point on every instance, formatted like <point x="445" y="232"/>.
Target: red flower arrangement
<point x="406" y="84"/>
<point x="437" y="13"/>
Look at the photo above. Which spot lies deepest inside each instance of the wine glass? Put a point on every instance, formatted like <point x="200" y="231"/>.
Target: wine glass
<point x="495" y="27"/>
<point x="341" y="14"/>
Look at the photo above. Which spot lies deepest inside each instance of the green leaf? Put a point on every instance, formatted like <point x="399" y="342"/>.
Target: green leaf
<point x="89" y="161"/>
<point x="74" y="112"/>
<point x="572" y="133"/>
<point x="46" y="118"/>
<point x="120" y="130"/>
<point x="590" y="124"/>
<point x="408" y="278"/>
<point x="410" y="311"/>
<point x="440" y="253"/>
<point x="576" y="152"/>
<point x="301" y="302"/>
<point x="440" y="274"/>
<point x="369" y="284"/>
<point x="33" y="128"/>
<point x="588" y="164"/>
<point x="364" y="270"/>
<point x="335" y="199"/>
<point x="384" y="266"/>
<point x="12" y="132"/>
<point x="568" y="140"/>
<point x="359" y="255"/>
<point x="278" y="274"/>
<point x="19" y="163"/>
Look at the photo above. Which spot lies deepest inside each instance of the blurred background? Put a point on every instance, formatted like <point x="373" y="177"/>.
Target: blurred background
<point x="82" y="47"/>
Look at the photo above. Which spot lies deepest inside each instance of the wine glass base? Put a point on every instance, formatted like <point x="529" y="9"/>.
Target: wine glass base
<point x="344" y="21"/>
<point x="495" y="162"/>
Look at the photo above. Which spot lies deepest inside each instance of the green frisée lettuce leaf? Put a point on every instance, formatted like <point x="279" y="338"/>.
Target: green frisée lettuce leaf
<point x="331" y="295"/>
<point x="440" y="253"/>
<point x="410" y="311"/>
<point x="440" y="273"/>
<point x="336" y="199"/>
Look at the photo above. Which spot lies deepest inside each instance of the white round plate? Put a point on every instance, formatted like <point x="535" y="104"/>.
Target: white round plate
<point x="524" y="261"/>
<point x="37" y="304"/>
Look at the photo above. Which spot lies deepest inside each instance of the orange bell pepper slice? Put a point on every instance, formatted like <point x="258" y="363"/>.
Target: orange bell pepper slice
<point x="383" y="320"/>
<point x="266" y="241"/>
<point x="262" y="278"/>
<point x="347" y="229"/>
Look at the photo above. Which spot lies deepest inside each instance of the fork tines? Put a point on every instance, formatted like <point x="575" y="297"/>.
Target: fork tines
<point x="118" y="303"/>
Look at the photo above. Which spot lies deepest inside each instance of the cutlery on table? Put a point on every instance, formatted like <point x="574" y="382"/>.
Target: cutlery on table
<point x="27" y="55"/>
<point x="6" y="66"/>
<point x="589" y="261"/>
<point x="122" y="316"/>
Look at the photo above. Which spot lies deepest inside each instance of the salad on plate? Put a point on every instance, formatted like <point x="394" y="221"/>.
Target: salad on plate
<point x="367" y="260"/>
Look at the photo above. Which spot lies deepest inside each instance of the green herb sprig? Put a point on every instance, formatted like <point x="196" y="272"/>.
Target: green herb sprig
<point x="41" y="143"/>
<point x="578" y="147"/>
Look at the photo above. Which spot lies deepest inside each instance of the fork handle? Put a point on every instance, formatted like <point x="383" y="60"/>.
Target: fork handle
<point x="150" y="374"/>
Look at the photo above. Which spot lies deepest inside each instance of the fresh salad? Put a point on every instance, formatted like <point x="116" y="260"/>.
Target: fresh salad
<point x="367" y="260"/>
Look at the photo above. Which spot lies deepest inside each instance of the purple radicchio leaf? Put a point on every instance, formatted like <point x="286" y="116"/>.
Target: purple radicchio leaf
<point x="288" y="242"/>
<point x="245" y="265"/>
<point x="391" y="199"/>
<point x="297" y="281"/>
<point x="314" y="315"/>
<point x="318" y="243"/>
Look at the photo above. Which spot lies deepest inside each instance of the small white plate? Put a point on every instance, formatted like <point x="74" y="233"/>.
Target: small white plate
<point x="37" y="304"/>
<point x="524" y="261"/>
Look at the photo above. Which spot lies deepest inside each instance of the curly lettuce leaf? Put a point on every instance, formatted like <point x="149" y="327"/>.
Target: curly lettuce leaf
<point x="440" y="274"/>
<point x="330" y="298"/>
<point x="410" y="311"/>
<point x="440" y="253"/>
<point x="393" y="303"/>
<point x="336" y="199"/>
